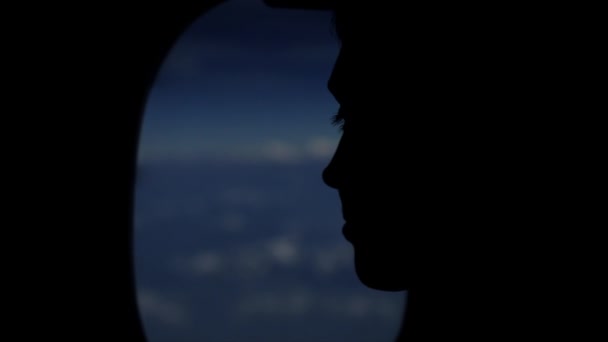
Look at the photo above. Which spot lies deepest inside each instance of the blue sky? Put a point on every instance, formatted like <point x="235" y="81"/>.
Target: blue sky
<point x="237" y="238"/>
<point x="242" y="75"/>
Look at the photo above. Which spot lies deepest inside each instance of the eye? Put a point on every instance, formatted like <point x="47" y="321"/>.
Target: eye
<point x="338" y="119"/>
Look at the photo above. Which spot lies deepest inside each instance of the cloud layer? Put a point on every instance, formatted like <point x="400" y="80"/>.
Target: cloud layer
<point x="158" y="307"/>
<point x="256" y="259"/>
<point x="254" y="246"/>
<point x="317" y="148"/>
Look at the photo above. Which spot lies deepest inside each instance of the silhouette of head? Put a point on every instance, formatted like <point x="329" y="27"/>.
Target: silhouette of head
<point x="456" y="170"/>
<point x="357" y="169"/>
<point x="389" y="165"/>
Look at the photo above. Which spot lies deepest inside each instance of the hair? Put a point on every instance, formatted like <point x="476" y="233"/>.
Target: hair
<point x="335" y="26"/>
<point x="347" y="18"/>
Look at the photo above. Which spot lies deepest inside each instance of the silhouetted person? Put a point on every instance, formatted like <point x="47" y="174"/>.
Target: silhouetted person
<point x="448" y="168"/>
<point x="459" y="171"/>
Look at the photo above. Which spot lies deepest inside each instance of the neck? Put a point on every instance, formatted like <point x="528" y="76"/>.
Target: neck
<point x="431" y="315"/>
<point x="422" y="317"/>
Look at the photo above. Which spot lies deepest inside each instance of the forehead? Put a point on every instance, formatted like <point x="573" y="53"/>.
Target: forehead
<point x="352" y="25"/>
<point x="355" y="21"/>
<point x="386" y="23"/>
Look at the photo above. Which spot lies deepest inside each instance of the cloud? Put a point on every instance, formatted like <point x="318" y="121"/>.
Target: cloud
<point x="156" y="306"/>
<point x="303" y="301"/>
<point x="280" y="151"/>
<point x="273" y="150"/>
<point x="320" y="147"/>
<point x="243" y="196"/>
<point x="204" y="263"/>
<point x="232" y="222"/>
<point x="251" y="260"/>
<point x="386" y="305"/>
<point x="328" y="260"/>
<point x="295" y="302"/>
<point x="207" y="262"/>
<point x="358" y="306"/>
<point x="258" y="258"/>
<point x="255" y="259"/>
<point x="284" y="251"/>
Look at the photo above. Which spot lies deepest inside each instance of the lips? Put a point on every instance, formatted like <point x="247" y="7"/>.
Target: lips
<point x="348" y="232"/>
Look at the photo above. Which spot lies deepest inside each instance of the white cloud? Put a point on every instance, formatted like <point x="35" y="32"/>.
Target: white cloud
<point x="315" y="148"/>
<point x="251" y="260"/>
<point x="321" y="147"/>
<point x="283" y="251"/>
<point x="256" y="259"/>
<point x="280" y="151"/>
<point x="272" y="150"/>
<point x="204" y="263"/>
<point x="330" y="259"/>
<point x="154" y="305"/>
<point x="207" y="263"/>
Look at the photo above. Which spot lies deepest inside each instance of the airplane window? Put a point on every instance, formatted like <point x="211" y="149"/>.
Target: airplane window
<point x="236" y="236"/>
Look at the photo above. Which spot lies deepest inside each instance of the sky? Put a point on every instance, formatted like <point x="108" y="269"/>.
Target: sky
<point x="245" y="75"/>
<point x="236" y="237"/>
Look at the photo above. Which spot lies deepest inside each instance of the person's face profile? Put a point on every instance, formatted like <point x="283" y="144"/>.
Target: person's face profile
<point x="380" y="201"/>
<point x="402" y="166"/>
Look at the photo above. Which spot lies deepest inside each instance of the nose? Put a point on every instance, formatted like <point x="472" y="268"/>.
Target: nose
<point x="330" y="175"/>
<point x="334" y="174"/>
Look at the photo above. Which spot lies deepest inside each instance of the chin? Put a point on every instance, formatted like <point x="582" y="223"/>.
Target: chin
<point x="385" y="285"/>
<point x="382" y="275"/>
